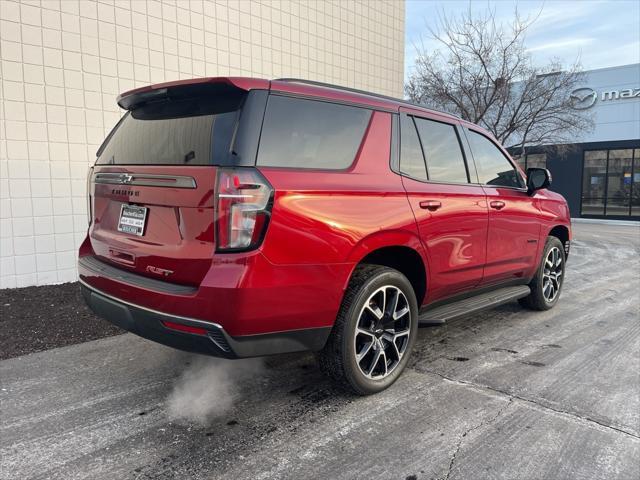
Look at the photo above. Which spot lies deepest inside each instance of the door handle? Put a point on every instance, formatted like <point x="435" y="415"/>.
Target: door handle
<point x="431" y="205"/>
<point x="497" y="204"/>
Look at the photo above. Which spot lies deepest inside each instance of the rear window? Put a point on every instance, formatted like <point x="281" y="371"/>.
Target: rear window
<point x="191" y="131"/>
<point x="310" y="134"/>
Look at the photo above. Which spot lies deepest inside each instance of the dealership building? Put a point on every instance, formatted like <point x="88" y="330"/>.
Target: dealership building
<point x="64" y="63"/>
<point x="599" y="172"/>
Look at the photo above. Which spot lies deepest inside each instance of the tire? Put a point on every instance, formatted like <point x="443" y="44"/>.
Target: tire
<point x="362" y="328"/>
<point x="546" y="285"/>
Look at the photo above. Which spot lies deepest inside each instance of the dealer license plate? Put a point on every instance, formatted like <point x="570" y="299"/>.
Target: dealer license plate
<point x="132" y="219"/>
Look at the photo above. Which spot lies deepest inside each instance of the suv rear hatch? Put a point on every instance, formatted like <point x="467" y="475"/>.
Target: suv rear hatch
<point x="152" y="188"/>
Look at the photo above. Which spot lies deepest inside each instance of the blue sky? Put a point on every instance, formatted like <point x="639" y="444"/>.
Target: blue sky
<point x="599" y="33"/>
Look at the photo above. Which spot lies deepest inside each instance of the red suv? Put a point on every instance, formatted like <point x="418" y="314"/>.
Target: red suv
<point x="240" y="217"/>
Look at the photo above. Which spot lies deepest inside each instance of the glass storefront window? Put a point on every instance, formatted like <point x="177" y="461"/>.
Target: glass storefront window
<point x="611" y="183"/>
<point x="593" y="182"/>
<point x="619" y="182"/>
<point x="537" y="160"/>
<point x="635" y="184"/>
<point x="532" y="160"/>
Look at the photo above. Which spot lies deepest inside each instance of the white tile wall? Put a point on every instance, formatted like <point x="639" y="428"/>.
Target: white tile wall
<point x="63" y="62"/>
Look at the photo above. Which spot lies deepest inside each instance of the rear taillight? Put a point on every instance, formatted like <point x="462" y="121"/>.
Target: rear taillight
<point x="243" y="208"/>
<point x="89" y="212"/>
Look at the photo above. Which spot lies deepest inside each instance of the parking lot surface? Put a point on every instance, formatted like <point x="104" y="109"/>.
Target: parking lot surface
<point x="507" y="393"/>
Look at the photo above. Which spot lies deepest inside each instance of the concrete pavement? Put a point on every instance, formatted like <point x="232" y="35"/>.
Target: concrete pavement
<point x="505" y="394"/>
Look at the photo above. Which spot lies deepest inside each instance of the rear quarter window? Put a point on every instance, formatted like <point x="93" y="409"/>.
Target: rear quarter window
<point x="301" y="133"/>
<point x="411" y="157"/>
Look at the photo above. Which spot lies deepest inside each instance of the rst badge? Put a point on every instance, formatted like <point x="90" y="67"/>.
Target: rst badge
<point x="132" y="219"/>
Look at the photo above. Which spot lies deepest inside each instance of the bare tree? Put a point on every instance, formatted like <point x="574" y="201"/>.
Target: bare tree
<point x="482" y="72"/>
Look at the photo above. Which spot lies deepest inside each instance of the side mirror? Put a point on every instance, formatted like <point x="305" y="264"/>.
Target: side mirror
<point x="537" y="178"/>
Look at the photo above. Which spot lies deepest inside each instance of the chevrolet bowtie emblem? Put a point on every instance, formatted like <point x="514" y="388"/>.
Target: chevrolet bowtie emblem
<point x="125" y="178"/>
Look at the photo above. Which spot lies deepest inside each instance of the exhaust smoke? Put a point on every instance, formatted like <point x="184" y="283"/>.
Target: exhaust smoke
<point x="209" y="387"/>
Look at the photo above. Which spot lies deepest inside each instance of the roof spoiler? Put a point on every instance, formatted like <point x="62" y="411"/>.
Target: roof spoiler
<point x="187" y="88"/>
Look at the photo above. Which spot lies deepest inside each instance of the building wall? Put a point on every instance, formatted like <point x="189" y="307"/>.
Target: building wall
<point x="616" y="116"/>
<point x="64" y="62"/>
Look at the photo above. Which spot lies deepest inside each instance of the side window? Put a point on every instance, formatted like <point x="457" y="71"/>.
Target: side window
<point x="411" y="158"/>
<point x="310" y="134"/>
<point x="445" y="162"/>
<point x="493" y="167"/>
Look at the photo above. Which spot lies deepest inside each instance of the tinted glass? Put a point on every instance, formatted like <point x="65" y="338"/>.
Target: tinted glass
<point x="593" y="182"/>
<point x="411" y="159"/>
<point x="445" y="162"/>
<point x="181" y="132"/>
<point x="493" y="167"/>
<point x="310" y="134"/>
<point x="619" y="182"/>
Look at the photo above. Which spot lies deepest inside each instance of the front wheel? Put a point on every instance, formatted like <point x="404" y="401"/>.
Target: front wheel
<point x="547" y="283"/>
<point x="374" y="332"/>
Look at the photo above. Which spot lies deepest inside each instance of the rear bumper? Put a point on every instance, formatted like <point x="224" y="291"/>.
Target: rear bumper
<point x="217" y="342"/>
<point x="244" y="293"/>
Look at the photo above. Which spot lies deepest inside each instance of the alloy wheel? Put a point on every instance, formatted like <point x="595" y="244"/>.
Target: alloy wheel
<point x="382" y="332"/>
<point x="552" y="274"/>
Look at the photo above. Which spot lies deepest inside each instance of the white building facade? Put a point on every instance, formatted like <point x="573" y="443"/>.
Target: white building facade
<point x="64" y="62"/>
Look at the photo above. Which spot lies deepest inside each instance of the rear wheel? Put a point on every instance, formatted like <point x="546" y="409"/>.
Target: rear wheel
<point x="547" y="283"/>
<point x="374" y="332"/>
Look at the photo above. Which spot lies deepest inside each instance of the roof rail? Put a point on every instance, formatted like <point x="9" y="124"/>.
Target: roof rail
<point x="361" y="92"/>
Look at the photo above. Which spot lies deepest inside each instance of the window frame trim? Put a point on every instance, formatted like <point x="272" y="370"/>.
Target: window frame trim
<point x="401" y="116"/>
<point x="394" y="153"/>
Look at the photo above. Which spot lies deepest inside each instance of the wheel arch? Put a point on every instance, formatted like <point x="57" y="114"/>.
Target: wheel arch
<point x="562" y="233"/>
<point x="401" y="251"/>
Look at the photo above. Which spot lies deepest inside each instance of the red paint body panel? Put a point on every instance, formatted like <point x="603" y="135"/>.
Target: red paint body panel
<point x="179" y="228"/>
<point x="514" y="235"/>
<point x="322" y="224"/>
<point x="454" y="235"/>
<point x="334" y="211"/>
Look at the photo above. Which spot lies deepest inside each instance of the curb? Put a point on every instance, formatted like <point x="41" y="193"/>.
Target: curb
<point x="620" y="223"/>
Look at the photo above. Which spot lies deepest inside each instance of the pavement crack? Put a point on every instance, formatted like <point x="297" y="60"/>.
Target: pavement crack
<point x="471" y="429"/>
<point x="537" y="403"/>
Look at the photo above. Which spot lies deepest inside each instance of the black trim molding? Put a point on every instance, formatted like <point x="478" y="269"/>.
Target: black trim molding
<point x="217" y="342"/>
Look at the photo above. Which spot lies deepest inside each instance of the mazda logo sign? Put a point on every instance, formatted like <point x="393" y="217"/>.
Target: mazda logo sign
<point x="583" y="98"/>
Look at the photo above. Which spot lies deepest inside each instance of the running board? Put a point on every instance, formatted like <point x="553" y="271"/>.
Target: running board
<point x="439" y="315"/>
